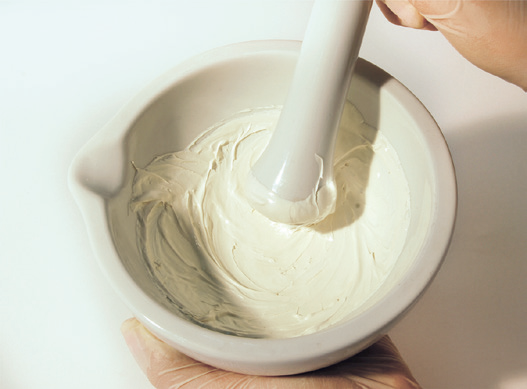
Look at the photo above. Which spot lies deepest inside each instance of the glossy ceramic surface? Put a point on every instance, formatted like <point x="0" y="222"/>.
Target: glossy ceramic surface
<point x="188" y="99"/>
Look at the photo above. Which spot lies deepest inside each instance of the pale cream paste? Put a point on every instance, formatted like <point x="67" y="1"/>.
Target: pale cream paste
<point x="227" y="267"/>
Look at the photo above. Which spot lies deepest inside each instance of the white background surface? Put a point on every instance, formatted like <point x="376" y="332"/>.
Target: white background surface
<point x="65" y="70"/>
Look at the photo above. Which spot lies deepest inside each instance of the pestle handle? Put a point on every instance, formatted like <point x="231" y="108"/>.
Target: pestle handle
<point x="292" y="181"/>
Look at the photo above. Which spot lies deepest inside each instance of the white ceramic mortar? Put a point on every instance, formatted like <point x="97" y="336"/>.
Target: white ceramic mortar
<point x="187" y="100"/>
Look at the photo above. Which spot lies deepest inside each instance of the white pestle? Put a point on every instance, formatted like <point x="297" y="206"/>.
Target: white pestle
<point x="292" y="181"/>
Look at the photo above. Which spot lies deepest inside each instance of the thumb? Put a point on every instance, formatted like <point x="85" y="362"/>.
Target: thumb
<point x="164" y="366"/>
<point x="490" y="34"/>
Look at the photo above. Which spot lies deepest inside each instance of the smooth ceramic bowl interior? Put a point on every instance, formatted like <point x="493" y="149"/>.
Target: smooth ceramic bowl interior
<point x="187" y="100"/>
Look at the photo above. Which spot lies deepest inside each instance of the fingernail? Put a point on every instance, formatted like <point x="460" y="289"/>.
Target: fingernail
<point x="139" y="342"/>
